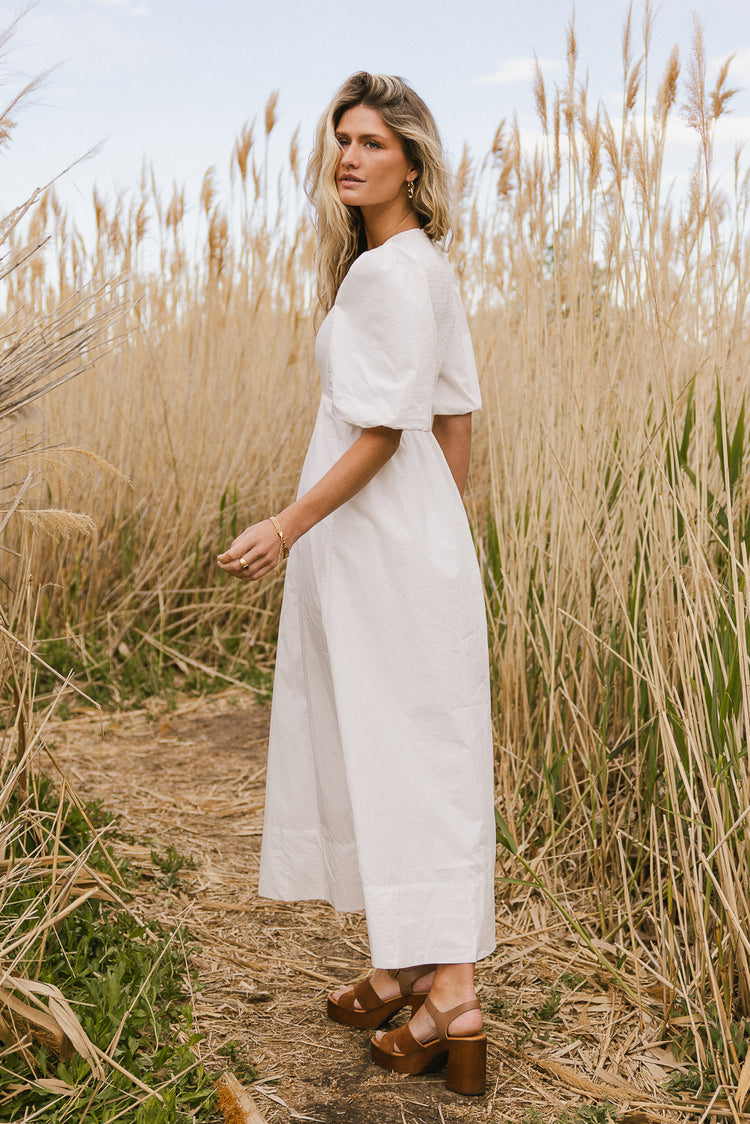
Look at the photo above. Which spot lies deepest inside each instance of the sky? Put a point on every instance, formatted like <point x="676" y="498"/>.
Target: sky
<point x="172" y="82"/>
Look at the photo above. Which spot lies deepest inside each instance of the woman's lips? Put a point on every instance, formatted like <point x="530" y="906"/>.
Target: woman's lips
<point x="350" y="179"/>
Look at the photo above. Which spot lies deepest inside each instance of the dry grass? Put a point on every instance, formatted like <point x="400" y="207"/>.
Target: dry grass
<point x="42" y="881"/>
<point x="617" y="550"/>
<point x="609" y="498"/>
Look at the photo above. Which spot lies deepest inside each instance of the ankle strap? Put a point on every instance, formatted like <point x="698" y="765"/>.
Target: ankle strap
<point x="407" y="977"/>
<point x="443" y="1019"/>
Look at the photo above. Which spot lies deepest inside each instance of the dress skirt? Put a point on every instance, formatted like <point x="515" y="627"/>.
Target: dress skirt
<point x="379" y="790"/>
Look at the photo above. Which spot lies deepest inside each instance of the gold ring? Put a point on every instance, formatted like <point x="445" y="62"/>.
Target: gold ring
<point x="244" y="563"/>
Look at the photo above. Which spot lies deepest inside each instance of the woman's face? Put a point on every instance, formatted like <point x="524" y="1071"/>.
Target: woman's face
<point x="372" y="168"/>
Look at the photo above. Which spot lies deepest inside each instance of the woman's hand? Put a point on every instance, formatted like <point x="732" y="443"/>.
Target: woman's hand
<point x="258" y="546"/>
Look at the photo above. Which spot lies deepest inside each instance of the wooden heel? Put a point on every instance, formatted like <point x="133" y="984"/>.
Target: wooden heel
<point x="467" y="1065"/>
<point x="466" y="1057"/>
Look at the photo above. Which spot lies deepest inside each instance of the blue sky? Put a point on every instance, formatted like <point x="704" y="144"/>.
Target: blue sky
<point x="173" y="81"/>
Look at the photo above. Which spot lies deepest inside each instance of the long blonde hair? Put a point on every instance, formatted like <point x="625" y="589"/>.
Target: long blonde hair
<point x="340" y="229"/>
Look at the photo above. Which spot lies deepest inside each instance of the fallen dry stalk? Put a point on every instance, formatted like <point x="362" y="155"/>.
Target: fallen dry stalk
<point x="41" y="1025"/>
<point x="236" y="1102"/>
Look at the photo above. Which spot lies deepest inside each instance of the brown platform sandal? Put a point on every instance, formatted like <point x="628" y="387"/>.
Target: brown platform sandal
<point x="466" y="1057"/>
<point x="376" y="1011"/>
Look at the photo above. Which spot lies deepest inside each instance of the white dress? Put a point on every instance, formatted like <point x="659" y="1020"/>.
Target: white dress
<point x="380" y="789"/>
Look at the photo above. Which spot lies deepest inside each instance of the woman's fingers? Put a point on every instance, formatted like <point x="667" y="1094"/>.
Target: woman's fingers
<point x="244" y="566"/>
<point x="248" y="573"/>
<point x="252" y="555"/>
<point x="255" y="567"/>
<point x="230" y="561"/>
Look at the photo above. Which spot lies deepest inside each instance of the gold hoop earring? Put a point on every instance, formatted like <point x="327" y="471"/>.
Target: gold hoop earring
<point x="410" y="188"/>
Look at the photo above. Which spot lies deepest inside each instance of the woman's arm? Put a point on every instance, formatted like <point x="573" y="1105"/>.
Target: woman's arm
<point x="453" y="435"/>
<point x="259" y="544"/>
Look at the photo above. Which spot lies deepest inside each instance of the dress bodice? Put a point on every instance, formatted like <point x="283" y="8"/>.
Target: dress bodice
<point x="395" y="348"/>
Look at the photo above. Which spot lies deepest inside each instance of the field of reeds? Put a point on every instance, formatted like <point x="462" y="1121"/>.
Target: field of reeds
<point x="609" y="497"/>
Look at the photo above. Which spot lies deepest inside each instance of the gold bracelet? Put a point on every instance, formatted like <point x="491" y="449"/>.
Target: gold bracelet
<point x="283" y="548"/>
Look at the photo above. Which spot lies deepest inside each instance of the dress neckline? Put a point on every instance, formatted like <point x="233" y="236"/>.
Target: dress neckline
<point x="400" y="234"/>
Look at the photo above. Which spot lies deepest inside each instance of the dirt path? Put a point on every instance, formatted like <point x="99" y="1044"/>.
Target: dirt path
<point x="194" y="779"/>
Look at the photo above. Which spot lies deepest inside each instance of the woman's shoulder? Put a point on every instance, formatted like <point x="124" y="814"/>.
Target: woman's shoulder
<point x="406" y="260"/>
<point x="410" y="246"/>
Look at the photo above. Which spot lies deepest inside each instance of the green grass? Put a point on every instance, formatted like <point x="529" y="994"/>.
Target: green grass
<point x="108" y="967"/>
<point x="170" y="864"/>
<point x="127" y="985"/>
<point x="138" y="670"/>
<point x="550" y="1005"/>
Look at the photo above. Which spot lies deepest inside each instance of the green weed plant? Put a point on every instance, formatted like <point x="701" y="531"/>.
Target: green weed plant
<point x="126" y="983"/>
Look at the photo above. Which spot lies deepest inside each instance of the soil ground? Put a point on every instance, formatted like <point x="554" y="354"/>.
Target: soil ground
<point x="560" y="1039"/>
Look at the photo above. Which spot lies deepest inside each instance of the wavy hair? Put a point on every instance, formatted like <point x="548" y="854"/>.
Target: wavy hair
<point x="340" y="229"/>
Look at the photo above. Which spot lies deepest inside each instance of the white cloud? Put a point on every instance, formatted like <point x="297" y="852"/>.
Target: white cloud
<point x="518" y="70"/>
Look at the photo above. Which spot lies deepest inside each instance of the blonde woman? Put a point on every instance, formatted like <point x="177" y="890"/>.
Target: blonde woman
<point x="380" y="791"/>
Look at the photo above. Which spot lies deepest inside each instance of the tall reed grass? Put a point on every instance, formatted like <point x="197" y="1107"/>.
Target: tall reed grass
<point x="617" y="532"/>
<point x="609" y="492"/>
<point x="204" y="410"/>
<point x="90" y="1004"/>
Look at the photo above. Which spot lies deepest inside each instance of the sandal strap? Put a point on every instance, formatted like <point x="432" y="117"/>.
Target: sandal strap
<point x="407" y="977"/>
<point x="400" y="1041"/>
<point x="364" y="993"/>
<point x="443" y="1019"/>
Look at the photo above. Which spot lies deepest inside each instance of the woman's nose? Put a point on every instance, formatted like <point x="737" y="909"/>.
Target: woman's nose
<point x="349" y="156"/>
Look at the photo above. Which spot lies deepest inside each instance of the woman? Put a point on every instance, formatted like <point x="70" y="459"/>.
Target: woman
<point x="379" y="791"/>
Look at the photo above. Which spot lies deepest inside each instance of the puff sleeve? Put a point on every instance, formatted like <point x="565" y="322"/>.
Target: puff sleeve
<point x="383" y="357"/>
<point x="457" y="387"/>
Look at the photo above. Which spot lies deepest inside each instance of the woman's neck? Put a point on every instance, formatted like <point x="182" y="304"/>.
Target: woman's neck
<point x="381" y="223"/>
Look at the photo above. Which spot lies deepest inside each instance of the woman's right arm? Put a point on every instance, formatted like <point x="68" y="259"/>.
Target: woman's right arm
<point x="259" y="544"/>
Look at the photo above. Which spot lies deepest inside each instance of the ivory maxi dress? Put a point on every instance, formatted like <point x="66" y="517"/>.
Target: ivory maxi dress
<point x="380" y="792"/>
